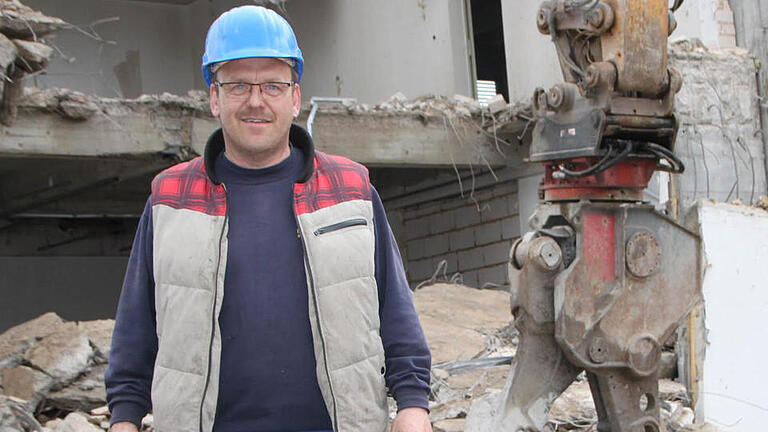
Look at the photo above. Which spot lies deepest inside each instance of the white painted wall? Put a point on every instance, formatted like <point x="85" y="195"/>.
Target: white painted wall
<point x="736" y="299"/>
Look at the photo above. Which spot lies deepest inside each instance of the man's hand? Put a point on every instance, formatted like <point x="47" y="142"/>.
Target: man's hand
<point x="412" y="420"/>
<point x="123" y="427"/>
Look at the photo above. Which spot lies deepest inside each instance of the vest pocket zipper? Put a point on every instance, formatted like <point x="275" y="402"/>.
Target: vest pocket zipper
<point x="340" y="225"/>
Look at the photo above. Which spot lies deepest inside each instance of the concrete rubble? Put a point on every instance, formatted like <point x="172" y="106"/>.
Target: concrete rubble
<point x="52" y="371"/>
<point x="52" y="375"/>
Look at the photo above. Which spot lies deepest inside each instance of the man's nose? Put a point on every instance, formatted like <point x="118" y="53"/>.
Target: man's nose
<point x="255" y="98"/>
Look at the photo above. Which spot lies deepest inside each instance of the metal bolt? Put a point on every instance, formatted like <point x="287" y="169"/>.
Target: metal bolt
<point x="556" y="97"/>
<point x="591" y="77"/>
<point x="549" y="254"/>
<point x="596" y="17"/>
<point x="598" y="350"/>
<point x="542" y="20"/>
<point x="644" y="354"/>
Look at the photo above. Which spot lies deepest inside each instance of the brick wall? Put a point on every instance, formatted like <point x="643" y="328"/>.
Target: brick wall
<point x="472" y="237"/>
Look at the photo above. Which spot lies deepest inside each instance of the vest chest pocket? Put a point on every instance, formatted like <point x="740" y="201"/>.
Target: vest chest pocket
<point x="341" y="250"/>
<point x="341" y="225"/>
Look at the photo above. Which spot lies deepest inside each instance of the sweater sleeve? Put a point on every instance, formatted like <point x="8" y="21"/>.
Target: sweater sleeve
<point x="408" y="360"/>
<point x="134" y="341"/>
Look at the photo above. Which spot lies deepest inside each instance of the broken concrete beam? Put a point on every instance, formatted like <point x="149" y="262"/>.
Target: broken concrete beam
<point x="63" y="354"/>
<point x="149" y="125"/>
<point x="21" y="21"/>
<point x="15" y="341"/>
<point x="26" y="383"/>
<point x="32" y="56"/>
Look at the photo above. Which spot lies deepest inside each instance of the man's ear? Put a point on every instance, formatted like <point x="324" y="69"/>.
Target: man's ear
<point x="296" y="100"/>
<point x="214" y="100"/>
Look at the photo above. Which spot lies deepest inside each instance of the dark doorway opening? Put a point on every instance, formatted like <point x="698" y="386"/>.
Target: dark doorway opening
<point x="488" y="35"/>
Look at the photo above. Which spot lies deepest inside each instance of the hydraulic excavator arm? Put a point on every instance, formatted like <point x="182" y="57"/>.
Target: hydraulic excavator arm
<point x="603" y="279"/>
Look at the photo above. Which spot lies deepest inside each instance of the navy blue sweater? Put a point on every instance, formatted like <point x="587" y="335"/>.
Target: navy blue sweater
<point x="267" y="380"/>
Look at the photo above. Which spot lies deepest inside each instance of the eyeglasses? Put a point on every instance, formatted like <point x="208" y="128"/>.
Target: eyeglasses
<point x="237" y="89"/>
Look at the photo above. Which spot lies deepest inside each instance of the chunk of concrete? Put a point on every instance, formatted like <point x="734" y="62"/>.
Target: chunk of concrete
<point x="15" y="417"/>
<point x="26" y="383"/>
<point x="99" y="332"/>
<point x="22" y="21"/>
<point x="33" y="56"/>
<point x="452" y="425"/>
<point x="74" y="422"/>
<point x="76" y="106"/>
<point x="16" y="340"/>
<point x="497" y="104"/>
<point x="63" y="355"/>
<point x="8" y="52"/>
<point x="86" y="393"/>
<point x="483" y="413"/>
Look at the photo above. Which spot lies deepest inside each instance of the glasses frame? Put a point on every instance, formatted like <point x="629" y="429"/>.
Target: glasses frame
<point x="250" y="85"/>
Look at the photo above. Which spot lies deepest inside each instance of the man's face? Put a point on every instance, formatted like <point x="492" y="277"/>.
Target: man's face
<point x="255" y="125"/>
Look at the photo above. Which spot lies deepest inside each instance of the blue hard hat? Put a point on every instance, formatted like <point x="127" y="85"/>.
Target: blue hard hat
<point x="250" y="31"/>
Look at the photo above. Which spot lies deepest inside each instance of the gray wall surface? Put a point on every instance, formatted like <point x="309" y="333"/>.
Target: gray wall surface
<point x="364" y="49"/>
<point x="76" y="288"/>
<point x="148" y="48"/>
<point x="372" y="49"/>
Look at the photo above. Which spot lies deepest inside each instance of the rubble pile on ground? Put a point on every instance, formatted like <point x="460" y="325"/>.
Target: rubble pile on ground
<point x="52" y="375"/>
<point x="21" y="50"/>
<point x="52" y="371"/>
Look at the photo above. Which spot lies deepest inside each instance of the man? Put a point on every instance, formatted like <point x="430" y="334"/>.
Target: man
<point x="264" y="291"/>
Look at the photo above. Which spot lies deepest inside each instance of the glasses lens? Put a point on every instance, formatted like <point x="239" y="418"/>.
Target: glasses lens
<point x="274" y="89"/>
<point x="236" y="89"/>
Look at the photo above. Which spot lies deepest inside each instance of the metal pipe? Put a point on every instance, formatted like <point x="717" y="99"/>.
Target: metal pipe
<point x="315" y="101"/>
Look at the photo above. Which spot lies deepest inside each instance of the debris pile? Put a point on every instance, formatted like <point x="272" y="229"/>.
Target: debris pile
<point x="21" y="50"/>
<point x="52" y="375"/>
<point x="52" y="371"/>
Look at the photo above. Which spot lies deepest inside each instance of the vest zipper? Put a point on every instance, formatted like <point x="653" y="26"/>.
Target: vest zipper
<point x="213" y="313"/>
<point x="340" y="225"/>
<point x="311" y="281"/>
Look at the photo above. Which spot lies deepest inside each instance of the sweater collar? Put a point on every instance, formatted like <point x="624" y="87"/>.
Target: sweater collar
<point x="298" y="137"/>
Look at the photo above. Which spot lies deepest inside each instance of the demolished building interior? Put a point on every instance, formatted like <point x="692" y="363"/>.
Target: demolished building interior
<point x="76" y="162"/>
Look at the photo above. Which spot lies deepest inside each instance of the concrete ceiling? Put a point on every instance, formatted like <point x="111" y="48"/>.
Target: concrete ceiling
<point x="75" y="187"/>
